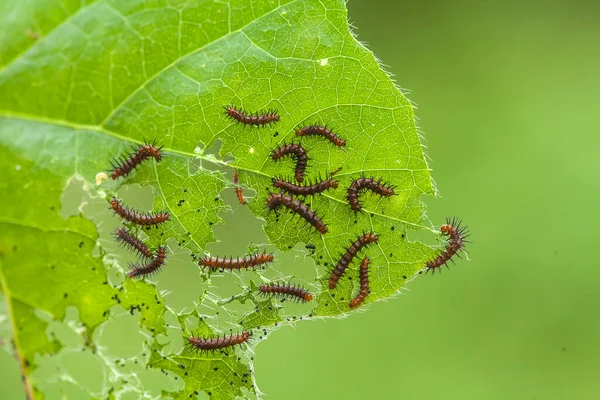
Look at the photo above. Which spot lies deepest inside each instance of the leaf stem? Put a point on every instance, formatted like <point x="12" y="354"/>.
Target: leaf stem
<point x="15" y="338"/>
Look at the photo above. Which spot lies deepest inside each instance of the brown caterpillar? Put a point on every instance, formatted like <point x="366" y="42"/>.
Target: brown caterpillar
<point x="350" y="253"/>
<point x="253" y="260"/>
<point x="257" y="119"/>
<point x="274" y="201"/>
<point x="153" y="267"/>
<point x="321" y="131"/>
<point x="457" y="241"/>
<point x="305" y="190"/>
<point x="286" y="291"/>
<point x="239" y="192"/>
<point x="205" y="345"/>
<point x="363" y="292"/>
<point x="127" y="239"/>
<point x="123" y="165"/>
<point x="298" y="154"/>
<point x="137" y="217"/>
<point x="362" y="184"/>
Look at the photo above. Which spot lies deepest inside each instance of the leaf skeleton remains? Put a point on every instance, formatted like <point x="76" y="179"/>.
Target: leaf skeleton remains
<point x="124" y="165"/>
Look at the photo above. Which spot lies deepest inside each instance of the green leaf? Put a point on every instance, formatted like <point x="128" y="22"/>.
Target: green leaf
<point x="80" y="82"/>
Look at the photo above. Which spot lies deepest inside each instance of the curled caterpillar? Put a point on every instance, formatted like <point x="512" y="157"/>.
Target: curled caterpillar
<point x="363" y="292"/>
<point x="362" y="184"/>
<point x="350" y="253"/>
<point x="239" y="192"/>
<point x="137" y="217"/>
<point x="276" y="200"/>
<point x="457" y="234"/>
<point x="253" y="260"/>
<point x="286" y="291"/>
<point x="257" y="119"/>
<point x="305" y="190"/>
<point x="153" y="267"/>
<point x="123" y="165"/>
<point x="321" y="131"/>
<point x="219" y="343"/>
<point x="127" y="239"/>
<point x="298" y="154"/>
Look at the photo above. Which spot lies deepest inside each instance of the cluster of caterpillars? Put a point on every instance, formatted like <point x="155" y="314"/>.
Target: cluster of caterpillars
<point x="291" y="195"/>
<point x="152" y="262"/>
<point x="293" y="192"/>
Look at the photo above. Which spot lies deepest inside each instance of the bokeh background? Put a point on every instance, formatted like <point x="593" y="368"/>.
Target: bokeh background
<point x="509" y="103"/>
<point x="508" y="96"/>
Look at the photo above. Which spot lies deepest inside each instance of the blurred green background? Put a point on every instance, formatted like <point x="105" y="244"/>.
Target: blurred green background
<point x="508" y="96"/>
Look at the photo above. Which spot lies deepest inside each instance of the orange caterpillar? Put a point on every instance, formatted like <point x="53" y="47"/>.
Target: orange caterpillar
<point x="239" y="192"/>
<point x="253" y="260"/>
<point x="457" y="234"/>
<point x="205" y="345"/>
<point x="363" y="292"/>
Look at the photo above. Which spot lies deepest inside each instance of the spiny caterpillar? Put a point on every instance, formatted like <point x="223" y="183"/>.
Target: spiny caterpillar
<point x="457" y="241"/>
<point x="362" y="184"/>
<point x="123" y="165"/>
<point x="298" y="154"/>
<point x="350" y="253"/>
<point x="363" y="292"/>
<point x="274" y="201"/>
<point x="321" y="131"/>
<point x="127" y="239"/>
<point x="205" y="345"/>
<point x="257" y="119"/>
<point x="153" y="267"/>
<point x="253" y="260"/>
<point x="305" y="190"/>
<point x="137" y="217"/>
<point x="286" y="291"/>
<point x="239" y="192"/>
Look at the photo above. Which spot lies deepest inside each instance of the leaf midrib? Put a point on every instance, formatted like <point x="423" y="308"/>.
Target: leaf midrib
<point x="98" y="129"/>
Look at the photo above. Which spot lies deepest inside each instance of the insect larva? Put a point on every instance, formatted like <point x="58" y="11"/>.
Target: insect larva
<point x="298" y="154"/>
<point x="137" y="217"/>
<point x="253" y="260"/>
<point x="333" y="173"/>
<point x="123" y="165"/>
<point x="363" y="292"/>
<point x="457" y="241"/>
<point x="275" y="201"/>
<point x="127" y="239"/>
<point x="286" y="291"/>
<point x="219" y="343"/>
<point x="153" y="267"/>
<point x="362" y="184"/>
<point x="239" y="192"/>
<point x="321" y="131"/>
<point x="257" y="119"/>
<point x="305" y="190"/>
<point x="350" y="253"/>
